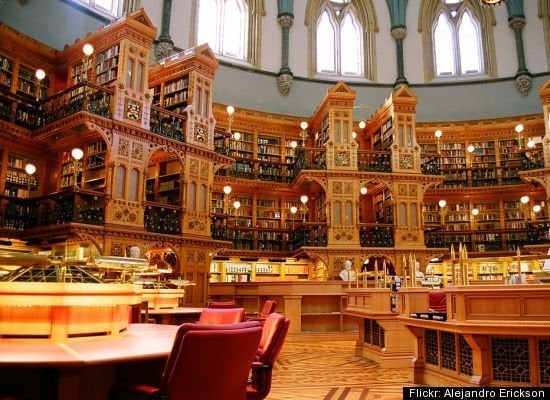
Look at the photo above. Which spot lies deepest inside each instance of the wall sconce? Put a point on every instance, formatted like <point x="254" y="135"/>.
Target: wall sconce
<point x="442" y="204"/>
<point x="519" y="130"/>
<point x="525" y="205"/>
<point x="39" y="74"/>
<point x="304" y="200"/>
<point x="88" y="50"/>
<point x="30" y="169"/>
<point x="303" y="133"/>
<point x="293" y="211"/>
<point x="77" y="155"/>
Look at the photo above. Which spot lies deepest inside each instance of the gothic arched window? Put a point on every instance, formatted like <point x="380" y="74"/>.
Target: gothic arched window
<point x="458" y="38"/>
<point x="342" y="38"/>
<point x="230" y="27"/>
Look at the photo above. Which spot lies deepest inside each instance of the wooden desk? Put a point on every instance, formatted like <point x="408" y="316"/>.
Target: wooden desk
<point x="174" y="316"/>
<point x="83" y="368"/>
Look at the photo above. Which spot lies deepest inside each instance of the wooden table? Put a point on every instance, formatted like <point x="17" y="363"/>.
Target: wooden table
<point x="83" y="368"/>
<point x="174" y="316"/>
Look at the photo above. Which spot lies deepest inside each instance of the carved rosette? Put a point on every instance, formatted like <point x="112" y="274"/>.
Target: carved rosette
<point x="523" y="83"/>
<point x="125" y="213"/>
<point x="284" y="82"/>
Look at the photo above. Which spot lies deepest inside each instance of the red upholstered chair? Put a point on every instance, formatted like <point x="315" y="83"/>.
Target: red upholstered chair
<point x="437" y="301"/>
<point x="221" y="304"/>
<point x="221" y="315"/>
<point x="275" y="329"/>
<point x="210" y="362"/>
<point x="268" y="308"/>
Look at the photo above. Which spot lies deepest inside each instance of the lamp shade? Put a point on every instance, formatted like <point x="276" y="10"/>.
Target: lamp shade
<point x="30" y="168"/>
<point x="77" y="153"/>
<point x="304" y="199"/>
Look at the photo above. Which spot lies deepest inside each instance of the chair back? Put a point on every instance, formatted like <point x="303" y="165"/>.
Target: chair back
<point x="273" y="337"/>
<point x="221" y="304"/>
<point x="437" y="300"/>
<point x="268" y="308"/>
<point x="211" y="363"/>
<point x="274" y="333"/>
<point x="221" y="315"/>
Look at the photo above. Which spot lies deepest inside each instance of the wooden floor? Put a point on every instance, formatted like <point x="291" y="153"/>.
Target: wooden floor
<point x="318" y="369"/>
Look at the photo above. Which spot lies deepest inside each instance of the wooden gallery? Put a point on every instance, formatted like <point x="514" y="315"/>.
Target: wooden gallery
<point x="125" y="185"/>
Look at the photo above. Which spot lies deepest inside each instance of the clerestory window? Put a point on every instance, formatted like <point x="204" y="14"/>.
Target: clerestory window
<point x="111" y="7"/>
<point x="342" y="38"/>
<point x="458" y="38"/>
<point x="232" y="28"/>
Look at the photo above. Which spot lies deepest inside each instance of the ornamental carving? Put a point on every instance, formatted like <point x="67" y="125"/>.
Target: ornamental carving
<point x="194" y="166"/>
<point x="284" y="82"/>
<point x="205" y="168"/>
<point x="137" y="151"/>
<point x="337" y="188"/>
<point x="523" y="84"/>
<point x="123" y="147"/>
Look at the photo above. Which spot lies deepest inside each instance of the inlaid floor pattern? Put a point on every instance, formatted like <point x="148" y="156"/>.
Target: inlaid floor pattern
<point x="329" y="370"/>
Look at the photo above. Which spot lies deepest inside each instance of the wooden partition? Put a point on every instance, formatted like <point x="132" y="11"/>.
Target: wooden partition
<point x="382" y="337"/>
<point x="493" y="336"/>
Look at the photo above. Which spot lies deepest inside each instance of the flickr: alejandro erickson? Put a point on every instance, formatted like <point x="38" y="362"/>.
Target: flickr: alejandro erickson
<point x="474" y="393"/>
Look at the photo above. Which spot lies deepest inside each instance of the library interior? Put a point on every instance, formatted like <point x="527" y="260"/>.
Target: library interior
<point x="147" y="176"/>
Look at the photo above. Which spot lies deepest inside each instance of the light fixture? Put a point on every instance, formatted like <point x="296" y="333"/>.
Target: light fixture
<point x="491" y="2"/>
<point x="293" y="211"/>
<point x="227" y="189"/>
<point x="438" y="133"/>
<point x="531" y="143"/>
<point x="363" y="190"/>
<point x="237" y="204"/>
<point x="362" y="124"/>
<point x="471" y="148"/>
<point x="537" y="208"/>
<point x="293" y="144"/>
<point x="524" y="199"/>
<point x="475" y="212"/>
<point x="303" y="134"/>
<point x="88" y="50"/>
<point x="442" y="203"/>
<point x="237" y="136"/>
<point x="30" y="169"/>
<point x="519" y="130"/>
<point x="303" y="200"/>
<point x="39" y="75"/>
<point x="230" y="110"/>
<point x="353" y="134"/>
<point x="77" y="155"/>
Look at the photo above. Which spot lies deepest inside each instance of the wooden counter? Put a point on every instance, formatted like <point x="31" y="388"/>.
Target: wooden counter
<point x="497" y="335"/>
<point x="311" y="306"/>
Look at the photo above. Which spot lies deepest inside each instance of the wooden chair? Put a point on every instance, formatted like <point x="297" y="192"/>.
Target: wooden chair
<point x="275" y="329"/>
<point x="221" y="304"/>
<point x="222" y="315"/>
<point x="206" y="362"/>
<point x="268" y="308"/>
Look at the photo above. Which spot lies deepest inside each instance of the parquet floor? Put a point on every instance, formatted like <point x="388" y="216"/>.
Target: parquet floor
<point x="329" y="370"/>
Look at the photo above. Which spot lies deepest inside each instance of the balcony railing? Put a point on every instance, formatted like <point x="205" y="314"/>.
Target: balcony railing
<point x="162" y="218"/>
<point x="58" y="208"/>
<point x="376" y="235"/>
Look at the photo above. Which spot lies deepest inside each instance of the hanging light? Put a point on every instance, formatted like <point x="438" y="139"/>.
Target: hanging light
<point x="491" y="2"/>
<point x="363" y="190"/>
